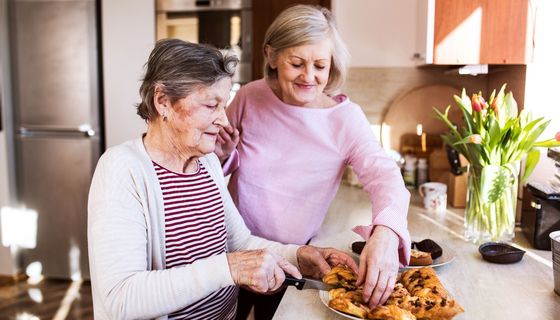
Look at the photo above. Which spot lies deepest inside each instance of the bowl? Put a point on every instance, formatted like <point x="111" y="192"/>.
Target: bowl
<point x="497" y="252"/>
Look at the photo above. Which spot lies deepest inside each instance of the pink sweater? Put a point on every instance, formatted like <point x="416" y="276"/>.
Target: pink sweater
<point x="291" y="160"/>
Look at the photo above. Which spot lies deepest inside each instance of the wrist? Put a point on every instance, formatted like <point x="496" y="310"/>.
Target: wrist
<point x="385" y="233"/>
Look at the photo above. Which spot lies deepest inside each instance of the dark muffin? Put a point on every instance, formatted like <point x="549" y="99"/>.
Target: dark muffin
<point x="429" y="245"/>
<point x="358" y="246"/>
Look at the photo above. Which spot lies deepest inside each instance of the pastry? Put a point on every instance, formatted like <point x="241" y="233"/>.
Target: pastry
<point x="418" y="295"/>
<point x="420" y="258"/>
<point x="390" y="312"/>
<point x="429" y="245"/>
<point x="341" y="276"/>
<point x="358" y="246"/>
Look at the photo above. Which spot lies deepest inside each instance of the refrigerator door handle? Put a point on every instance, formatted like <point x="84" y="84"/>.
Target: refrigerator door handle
<point x="83" y="130"/>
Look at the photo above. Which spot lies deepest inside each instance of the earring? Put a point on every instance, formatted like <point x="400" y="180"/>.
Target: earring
<point x="164" y="114"/>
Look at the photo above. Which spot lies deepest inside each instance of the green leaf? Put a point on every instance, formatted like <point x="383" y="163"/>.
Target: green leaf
<point x="494" y="180"/>
<point x="492" y="97"/>
<point x="532" y="159"/>
<point x="551" y="143"/>
<point x="511" y="105"/>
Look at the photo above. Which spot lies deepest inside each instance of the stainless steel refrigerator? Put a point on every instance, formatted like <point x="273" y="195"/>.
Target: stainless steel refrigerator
<point x="56" y="100"/>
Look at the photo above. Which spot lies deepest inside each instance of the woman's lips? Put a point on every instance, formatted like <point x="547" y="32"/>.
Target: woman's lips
<point x="304" y="86"/>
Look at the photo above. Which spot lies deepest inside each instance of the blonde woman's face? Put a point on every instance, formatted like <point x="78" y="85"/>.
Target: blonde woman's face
<point x="303" y="73"/>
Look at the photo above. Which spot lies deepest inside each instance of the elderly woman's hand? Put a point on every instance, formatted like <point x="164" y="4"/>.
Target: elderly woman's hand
<point x="379" y="265"/>
<point x="260" y="270"/>
<point x="227" y="140"/>
<point x="315" y="262"/>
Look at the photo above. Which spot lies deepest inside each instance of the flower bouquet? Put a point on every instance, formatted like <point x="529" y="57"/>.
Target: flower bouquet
<point x="494" y="139"/>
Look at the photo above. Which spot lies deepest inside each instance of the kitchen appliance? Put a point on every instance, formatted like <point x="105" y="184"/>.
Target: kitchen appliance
<point x="540" y="214"/>
<point x="226" y="24"/>
<point x="56" y="122"/>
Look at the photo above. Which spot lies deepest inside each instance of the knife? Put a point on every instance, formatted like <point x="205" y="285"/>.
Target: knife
<point x="306" y="283"/>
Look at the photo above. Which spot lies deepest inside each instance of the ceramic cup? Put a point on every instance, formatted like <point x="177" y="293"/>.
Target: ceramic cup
<point x="555" y="244"/>
<point x="435" y="195"/>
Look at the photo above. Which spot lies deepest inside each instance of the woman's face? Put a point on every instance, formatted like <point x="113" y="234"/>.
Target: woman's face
<point x="195" y="120"/>
<point x="303" y="73"/>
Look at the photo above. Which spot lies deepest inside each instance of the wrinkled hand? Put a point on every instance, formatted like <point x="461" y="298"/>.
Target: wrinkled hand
<point x="227" y="140"/>
<point x="379" y="265"/>
<point x="315" y="262"/>
<point x="260" y="270"/>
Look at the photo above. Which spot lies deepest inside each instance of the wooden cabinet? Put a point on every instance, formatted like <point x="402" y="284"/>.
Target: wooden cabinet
<point x="476" y="31"/>
<point x="264" y="12"/>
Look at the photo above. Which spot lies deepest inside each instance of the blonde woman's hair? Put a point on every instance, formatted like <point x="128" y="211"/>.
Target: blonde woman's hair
<point x="305" y="24"/>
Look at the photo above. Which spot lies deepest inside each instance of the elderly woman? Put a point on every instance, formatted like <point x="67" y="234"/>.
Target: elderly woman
<point x="297" y="136"/>
<point x="165" y="239"/>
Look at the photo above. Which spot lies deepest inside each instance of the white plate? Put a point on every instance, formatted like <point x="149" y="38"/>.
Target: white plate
<point x="324" y="296"/>
<point x="447" y="256"/>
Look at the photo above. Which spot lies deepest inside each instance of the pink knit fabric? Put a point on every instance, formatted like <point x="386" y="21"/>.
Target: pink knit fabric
<point x="290" y="160"/>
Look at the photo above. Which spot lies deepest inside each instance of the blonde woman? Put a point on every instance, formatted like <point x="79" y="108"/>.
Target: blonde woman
<point x="291" y="136"/>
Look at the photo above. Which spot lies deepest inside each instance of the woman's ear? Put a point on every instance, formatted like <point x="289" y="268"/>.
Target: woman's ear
<point x="161" y="101"/>
<point x="270" y="56"/>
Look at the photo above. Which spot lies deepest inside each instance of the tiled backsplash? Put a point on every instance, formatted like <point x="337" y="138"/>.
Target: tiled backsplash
<point x="375" y="88"/>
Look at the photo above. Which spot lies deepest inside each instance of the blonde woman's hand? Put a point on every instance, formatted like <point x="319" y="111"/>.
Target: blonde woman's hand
<point x="227" y="140"/>
<point x="379" y="265"/>
<point x="260" y="270"/>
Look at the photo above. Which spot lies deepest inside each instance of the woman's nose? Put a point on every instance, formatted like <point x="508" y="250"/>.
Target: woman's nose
<point x="308" y="74"/>
<point x="222" y="119"/>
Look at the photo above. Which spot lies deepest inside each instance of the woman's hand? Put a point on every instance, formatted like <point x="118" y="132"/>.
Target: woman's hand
<point x="227" y="140"/>
<point x="379" y="265"/>
<point x="260" y="270"/>
<point x="315" y="262"/>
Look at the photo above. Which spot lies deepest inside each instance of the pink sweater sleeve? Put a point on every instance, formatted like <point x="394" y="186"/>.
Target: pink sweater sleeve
<point x="234" y="113"/>
<point x="383" y="182"/>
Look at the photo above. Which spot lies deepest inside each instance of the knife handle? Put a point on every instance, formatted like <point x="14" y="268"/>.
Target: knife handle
<point x="291" y="281"/>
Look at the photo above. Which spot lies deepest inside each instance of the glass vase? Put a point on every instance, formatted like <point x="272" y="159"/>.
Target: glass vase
<point x="490" y="220"/>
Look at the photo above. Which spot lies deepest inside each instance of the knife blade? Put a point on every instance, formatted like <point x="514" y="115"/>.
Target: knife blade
<point x="307" y="283"/>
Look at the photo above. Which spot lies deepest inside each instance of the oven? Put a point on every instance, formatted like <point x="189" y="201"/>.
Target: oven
<point x="226" y="24"/>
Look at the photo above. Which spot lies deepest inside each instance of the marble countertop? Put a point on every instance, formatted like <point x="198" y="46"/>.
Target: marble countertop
<point x="523" y="290"/>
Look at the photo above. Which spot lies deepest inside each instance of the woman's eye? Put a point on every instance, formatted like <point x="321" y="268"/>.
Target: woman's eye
<point x="295" y="65"/>
<point x="212" y="106"/>
<point x="320" y="67"/>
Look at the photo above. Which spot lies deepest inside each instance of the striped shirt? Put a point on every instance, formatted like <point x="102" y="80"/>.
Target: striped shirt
<point x="195" y="229"/>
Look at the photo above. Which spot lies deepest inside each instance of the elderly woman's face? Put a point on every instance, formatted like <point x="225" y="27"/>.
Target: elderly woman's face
<point x="195" y="120"/>
<point x="303" y="72"/>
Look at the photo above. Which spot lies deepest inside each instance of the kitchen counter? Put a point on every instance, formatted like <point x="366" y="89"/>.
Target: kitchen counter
<point x="523" y="290"/>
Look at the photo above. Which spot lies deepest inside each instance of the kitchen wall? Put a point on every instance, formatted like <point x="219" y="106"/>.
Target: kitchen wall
<point x="128" y="29"/>
<point x="542" y="86"/>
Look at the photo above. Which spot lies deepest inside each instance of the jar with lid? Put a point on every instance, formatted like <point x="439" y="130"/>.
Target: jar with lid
<point x="409" y="171"/>
<point x="422" y="171"/>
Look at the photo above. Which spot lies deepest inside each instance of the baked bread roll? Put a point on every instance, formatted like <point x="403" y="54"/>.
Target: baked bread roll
<point x="341" y="276"/>
<point x="420" y="258"/>
<point x="347" y="306"/>
<point x="428" y="298"/>
<point x="419" y="294"/>
<point x="390" y="312"/>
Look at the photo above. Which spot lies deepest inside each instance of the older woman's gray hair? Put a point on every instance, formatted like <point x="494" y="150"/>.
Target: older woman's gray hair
<point x="302" y="25"/>
<point x="178" y="68"/>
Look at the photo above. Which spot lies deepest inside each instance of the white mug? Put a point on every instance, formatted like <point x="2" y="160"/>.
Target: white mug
<point x="435" y="195"/>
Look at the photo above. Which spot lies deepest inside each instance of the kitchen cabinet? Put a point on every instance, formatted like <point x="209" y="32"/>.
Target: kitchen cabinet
<point x="475" y="31"/>
<point x="264" y="12"/>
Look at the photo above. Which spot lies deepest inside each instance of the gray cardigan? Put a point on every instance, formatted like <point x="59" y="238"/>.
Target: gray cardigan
<point x="126" y="237"/>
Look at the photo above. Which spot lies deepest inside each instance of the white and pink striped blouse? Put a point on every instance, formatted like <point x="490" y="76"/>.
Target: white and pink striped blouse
<point x="195" y="229"/>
